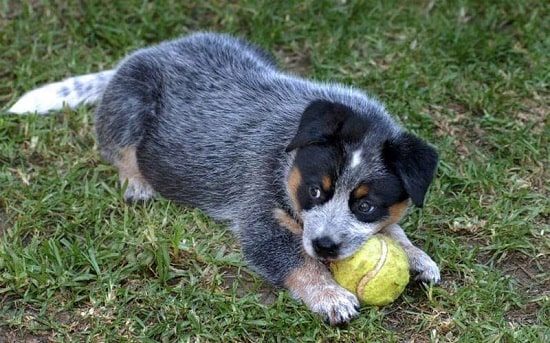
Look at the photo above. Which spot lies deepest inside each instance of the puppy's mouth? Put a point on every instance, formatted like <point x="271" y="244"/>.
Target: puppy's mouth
<point x="328" y="260"/>
<point x="327" y="263"/>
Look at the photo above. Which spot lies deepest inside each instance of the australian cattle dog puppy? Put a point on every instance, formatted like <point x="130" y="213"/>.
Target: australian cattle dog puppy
<point x="304" y="172"/>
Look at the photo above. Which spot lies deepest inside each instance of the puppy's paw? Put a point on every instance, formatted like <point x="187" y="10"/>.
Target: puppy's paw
<point x="336" y="305"/>
<point x="313" y="284"/>
<point x="424" y="268"/>
<point x="138" y="190"/>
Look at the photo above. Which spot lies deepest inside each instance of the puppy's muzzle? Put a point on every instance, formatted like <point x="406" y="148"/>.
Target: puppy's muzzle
<point x="325" y="247"/>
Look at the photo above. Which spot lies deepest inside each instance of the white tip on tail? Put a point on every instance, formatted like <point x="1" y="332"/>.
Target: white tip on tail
<point x="84" y="89"/>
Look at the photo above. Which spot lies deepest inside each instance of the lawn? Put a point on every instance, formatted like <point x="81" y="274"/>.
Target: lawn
<point x="77" y="264"/>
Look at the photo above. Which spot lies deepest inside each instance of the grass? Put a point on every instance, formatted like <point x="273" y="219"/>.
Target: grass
<point x="77" y="264"/>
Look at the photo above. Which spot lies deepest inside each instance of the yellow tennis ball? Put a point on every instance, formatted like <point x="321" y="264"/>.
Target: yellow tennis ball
<point x="377" y="273"/>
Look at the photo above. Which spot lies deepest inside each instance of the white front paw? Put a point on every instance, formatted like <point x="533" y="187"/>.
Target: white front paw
<point x="313" y="284"/>
<point x="335" y="304"/>
<point x="424" y="267"/>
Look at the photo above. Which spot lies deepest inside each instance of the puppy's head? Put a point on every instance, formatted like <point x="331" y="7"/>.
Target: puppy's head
<point x="352" y="175"/>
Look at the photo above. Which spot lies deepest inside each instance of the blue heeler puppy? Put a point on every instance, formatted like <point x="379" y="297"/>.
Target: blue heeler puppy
<point x="304" y="172"/>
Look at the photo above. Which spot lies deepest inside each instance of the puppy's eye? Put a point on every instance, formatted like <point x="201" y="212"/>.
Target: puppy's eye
<point x="365" y="207"/>
<point x="315" y="192"/>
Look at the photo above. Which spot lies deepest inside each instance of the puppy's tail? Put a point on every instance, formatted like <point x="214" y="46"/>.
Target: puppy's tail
<point x="71" y="92"/>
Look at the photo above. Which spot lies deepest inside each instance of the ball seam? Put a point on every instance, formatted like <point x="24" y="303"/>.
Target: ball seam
<point x="371" y="274"/>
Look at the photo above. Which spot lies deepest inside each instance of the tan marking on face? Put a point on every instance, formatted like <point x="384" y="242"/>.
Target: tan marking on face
<point x="326" y="183"/>
<point x="294" y="182"/>
<point x="128" y="167"/>
<point x="361" y="191"/>
<point x="397" y="211"/>
<point x="288" y="222"/>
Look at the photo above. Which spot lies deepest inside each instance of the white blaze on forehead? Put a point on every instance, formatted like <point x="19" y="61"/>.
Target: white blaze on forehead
<point x="356" y="158"/>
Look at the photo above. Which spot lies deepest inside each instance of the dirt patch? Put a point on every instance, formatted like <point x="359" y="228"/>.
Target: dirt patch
<point x="15" y="336"/>
<point x="31" y="328"/>
<point x="21" y="335"/>
<point x="530" y="272"/>
<point x="294" y="62"/>
<point x="533" y="280"/>
<point x="405" y="318"/>
<point x="534" y="113"/>
<point x="455" y="120"/>
<point x="458" y="124"/>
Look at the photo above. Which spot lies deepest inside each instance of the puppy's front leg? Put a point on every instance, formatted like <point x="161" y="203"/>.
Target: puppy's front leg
<point x="420" y="263"/>
<point x="273" y="248"/>
<point x="313" y="284"/>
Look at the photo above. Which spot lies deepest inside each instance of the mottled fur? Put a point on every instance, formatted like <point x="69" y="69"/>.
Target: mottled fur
<point x="304" y="172"/>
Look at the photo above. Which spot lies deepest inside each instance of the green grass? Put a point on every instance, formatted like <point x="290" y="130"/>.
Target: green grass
<point x="77" y="264"/>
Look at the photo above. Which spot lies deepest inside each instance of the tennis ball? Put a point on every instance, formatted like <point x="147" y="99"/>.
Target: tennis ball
<point x="377" y="273"/>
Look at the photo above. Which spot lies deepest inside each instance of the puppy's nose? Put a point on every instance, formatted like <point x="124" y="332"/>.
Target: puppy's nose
<point x="325" y="247"/>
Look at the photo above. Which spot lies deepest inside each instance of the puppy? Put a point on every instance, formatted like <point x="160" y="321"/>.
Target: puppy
<point x="304" y="172"/>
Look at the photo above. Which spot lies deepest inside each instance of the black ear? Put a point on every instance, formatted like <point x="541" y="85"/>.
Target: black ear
<point x="324" y="122"/>
<point x="414" y="161"/>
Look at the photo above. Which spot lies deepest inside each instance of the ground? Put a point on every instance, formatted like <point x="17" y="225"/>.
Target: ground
<point x="78" y="264"/>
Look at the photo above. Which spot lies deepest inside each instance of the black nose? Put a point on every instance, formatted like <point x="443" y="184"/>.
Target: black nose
<point x="325" y="247"/>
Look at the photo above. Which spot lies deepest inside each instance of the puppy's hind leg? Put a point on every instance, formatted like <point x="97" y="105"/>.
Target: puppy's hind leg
<point x="137" y="188"/>
<point x="123" y="117"/>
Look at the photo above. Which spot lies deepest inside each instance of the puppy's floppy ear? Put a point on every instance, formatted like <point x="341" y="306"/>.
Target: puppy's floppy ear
<point x="414" y="161"/>
<point x="319" y="124"/>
